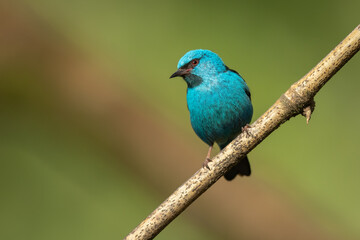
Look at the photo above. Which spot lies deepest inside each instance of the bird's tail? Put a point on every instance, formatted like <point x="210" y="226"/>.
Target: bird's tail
<point x="243" y="169"/>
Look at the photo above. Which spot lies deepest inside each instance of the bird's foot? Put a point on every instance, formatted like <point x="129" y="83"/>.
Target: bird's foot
<point x="246" y="130"/>
<point x="206" y="163"/>
<point x="208" y="159"/>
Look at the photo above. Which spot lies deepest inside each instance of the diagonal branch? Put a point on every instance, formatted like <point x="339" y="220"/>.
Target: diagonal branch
<point x="298" y="99"/>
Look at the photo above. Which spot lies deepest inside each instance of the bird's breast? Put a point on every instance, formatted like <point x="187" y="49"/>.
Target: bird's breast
<point x="218" y="113"/>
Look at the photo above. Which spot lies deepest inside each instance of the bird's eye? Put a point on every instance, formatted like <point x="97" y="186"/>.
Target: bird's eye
<point x="195" y="62"/>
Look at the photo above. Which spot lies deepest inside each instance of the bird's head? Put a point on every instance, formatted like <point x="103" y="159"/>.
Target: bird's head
<point x="197" y="65"/>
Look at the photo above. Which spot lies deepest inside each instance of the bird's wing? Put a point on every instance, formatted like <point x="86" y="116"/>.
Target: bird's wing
<point x="247" y="90"/>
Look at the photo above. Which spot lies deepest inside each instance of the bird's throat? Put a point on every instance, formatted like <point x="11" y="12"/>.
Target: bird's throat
<point x="193" y="80"/>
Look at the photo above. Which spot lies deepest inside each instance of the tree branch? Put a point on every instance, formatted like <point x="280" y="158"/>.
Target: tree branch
<point x="298" y="99"/>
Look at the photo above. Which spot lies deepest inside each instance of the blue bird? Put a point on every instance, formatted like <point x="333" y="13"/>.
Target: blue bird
<point x="218" y="100"/>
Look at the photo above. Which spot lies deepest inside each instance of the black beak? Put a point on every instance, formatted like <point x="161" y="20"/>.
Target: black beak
<point x="180" y="72"/>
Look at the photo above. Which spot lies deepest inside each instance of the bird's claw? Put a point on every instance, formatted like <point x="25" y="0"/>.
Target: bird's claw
<point x="246" y="130"/>
<point x="206" y="163"/>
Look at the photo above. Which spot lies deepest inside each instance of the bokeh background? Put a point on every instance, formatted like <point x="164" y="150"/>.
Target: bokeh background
<point x="94" y="135"/>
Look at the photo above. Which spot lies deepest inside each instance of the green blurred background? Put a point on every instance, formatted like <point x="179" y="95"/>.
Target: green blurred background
<point x="94" y="135"/>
